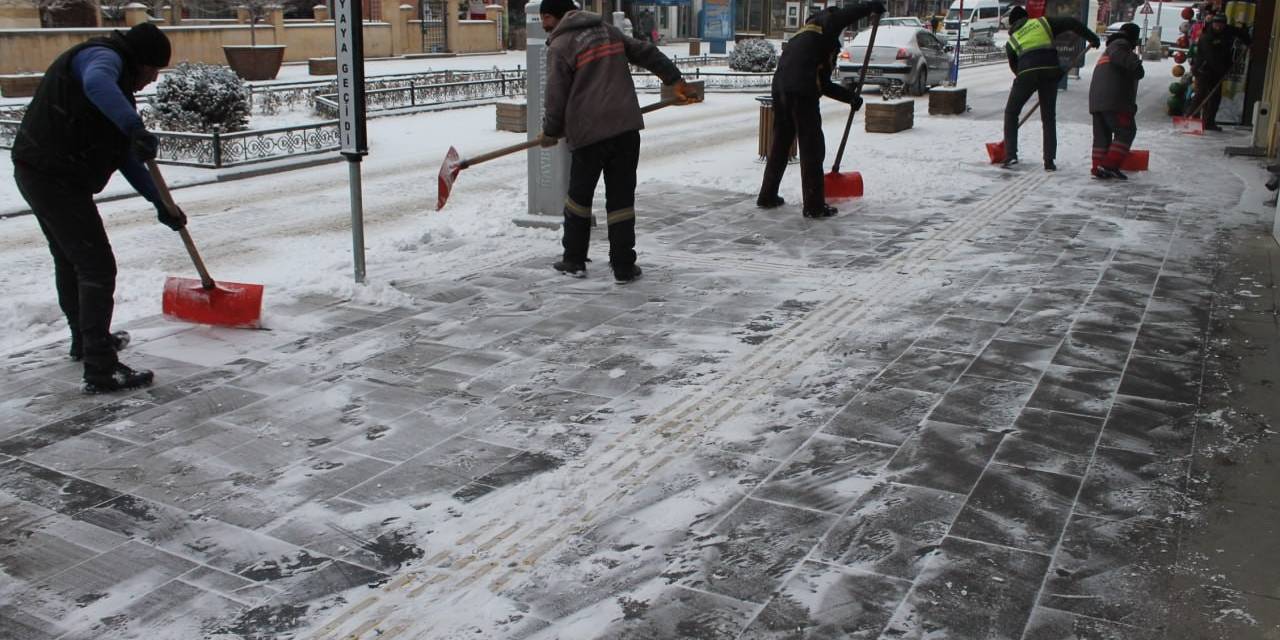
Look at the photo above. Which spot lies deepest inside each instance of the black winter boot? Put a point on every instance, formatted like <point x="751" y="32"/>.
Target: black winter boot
<point x="624" y="275"/>
<point x="570" y="268"/>
<point x="119" y="340"/>
<point x="823" y="211"/>
<point x="116" y="377"/>
<point x="770" y="202"/>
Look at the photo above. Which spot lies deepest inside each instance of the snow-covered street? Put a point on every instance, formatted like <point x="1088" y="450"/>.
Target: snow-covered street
<point x="977" y="403"/>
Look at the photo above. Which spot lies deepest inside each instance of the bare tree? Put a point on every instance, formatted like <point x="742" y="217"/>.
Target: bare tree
<point x="47" y="9"/>
<point x="258" y="10"/>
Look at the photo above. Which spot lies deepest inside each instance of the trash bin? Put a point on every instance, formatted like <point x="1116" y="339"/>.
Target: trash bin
<point x="766" y="130"/>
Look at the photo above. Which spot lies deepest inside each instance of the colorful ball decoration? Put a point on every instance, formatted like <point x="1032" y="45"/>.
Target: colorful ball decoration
<point x="1175" y="105"/>
<point x="1183" y="42"/>
<point x="1179" y="57"/>
<point x="1188" y="13"/>
<point x="1184" y="27"/>
<point x="1178" y="70"/>
<point x="1175" y="88"/>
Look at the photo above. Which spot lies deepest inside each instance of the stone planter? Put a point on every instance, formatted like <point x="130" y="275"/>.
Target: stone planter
<point x="22" y="85"/>
<point x="255" y="63"/>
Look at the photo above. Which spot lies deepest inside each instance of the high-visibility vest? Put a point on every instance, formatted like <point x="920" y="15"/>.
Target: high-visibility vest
<point x="1032" y="35"/>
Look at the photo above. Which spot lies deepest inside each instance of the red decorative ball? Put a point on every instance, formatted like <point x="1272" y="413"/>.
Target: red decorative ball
<point x="1188" y="13"/>
<point x="1183" y="42"/>
<point x="1179" y="57"/>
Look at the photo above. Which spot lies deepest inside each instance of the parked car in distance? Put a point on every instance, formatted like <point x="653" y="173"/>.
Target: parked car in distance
<point x="902" y="21"/>
<point x="909" y="56"/>
<point x="978" y="24"/>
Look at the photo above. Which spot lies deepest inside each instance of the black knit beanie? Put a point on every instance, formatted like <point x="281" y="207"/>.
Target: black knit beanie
<point x="1131" y="31"/>
<point x="1016" y="14"/>
<point x="557" y="8"/>
<point x="149" y="44"/>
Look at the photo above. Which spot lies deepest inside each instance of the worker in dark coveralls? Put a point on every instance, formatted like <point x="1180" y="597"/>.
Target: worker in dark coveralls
<point x="80" y="128"/>
<point x="803" y="76"/>
<point x="591" y="102"/>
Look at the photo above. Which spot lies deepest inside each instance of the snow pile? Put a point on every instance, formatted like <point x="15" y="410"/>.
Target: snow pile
<point x="755" y="55"/>
<point x="200" y="97"/>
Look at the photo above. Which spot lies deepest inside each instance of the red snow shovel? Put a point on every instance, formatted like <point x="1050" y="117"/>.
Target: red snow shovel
<point x="838" y="185"/>
<point x="995" y="150"/>
<point x="1194" y="124"/>
<point x="203" y="301"/>
<point x="454" y="163"/>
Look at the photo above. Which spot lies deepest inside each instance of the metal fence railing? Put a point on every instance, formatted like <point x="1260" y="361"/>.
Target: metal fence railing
<point x="414" y="96"/>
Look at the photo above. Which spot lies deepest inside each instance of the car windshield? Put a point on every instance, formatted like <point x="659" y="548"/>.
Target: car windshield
<point x="955" y="14"/>
<point x="887" y="37"/>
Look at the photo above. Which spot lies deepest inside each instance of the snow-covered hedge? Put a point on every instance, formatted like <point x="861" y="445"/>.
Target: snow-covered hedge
<point x="755" y="54"/>
<point x="199" y="97"/>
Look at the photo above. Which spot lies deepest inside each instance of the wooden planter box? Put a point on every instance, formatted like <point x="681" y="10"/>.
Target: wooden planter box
<point x="890" y="117"/>
<point x="947" y="101"/>
<point x="255" y="63"/>
<point x="20" y="85"/>
<point x="513" y="116"/>
<point x="322" y="66"/>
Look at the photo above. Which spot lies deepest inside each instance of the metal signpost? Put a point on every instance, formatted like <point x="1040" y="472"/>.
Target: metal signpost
<point x="548" y="168"/>
<point x="349" y="34"/>
<point x="955" y="63"/>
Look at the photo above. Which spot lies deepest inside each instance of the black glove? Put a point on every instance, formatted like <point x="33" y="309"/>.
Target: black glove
<point x="876" y="6"/>
<point x="175" y="219"/>
<point x="856" y="102"/>
<point x="144" y="144"/>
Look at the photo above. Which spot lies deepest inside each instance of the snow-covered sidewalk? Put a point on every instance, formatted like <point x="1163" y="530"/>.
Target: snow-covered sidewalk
<point x="968" y="406"/>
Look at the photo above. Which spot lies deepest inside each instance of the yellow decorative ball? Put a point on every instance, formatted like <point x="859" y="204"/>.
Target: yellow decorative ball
<point x="1178" y="70"/>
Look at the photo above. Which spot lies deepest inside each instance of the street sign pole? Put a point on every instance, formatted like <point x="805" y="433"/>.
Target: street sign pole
<point x="354" y="145"/>
<point x="955" y="65"/>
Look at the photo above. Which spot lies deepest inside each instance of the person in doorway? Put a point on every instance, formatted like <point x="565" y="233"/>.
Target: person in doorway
<point x="1037" y="70"/>
<point x="591" y="102"/>
<point x="80" y="128"/>
<point x="804" y="75"/>
<point x="1211" y="64"/>
<point x="1113" y="95"/>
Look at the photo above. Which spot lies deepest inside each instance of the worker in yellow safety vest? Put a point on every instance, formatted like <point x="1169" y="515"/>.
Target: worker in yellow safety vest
<point x="1034" y="61"/>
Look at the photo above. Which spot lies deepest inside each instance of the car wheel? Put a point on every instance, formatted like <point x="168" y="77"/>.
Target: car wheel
<point x="922" y="82"/>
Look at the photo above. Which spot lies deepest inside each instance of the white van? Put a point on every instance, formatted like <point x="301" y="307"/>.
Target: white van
<point x="978" y="24"/>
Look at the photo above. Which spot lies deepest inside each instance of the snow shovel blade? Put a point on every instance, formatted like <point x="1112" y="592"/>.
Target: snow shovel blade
<point x="227" y="304"/>
<point x="1188" y="124"/>
<point x="1137" y="160"/>
<point x="843" y="184"/>
<point x="448" y="173"/>
<point x="995" y="151"/>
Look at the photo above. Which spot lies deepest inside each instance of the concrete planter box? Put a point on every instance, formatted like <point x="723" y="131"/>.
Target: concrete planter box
<point x="890" y="117"/>
<point x="20" y="85"/>
<point x="947" y="101"/>
<point x="255" y="63"/>
<point x="322" y="66"/>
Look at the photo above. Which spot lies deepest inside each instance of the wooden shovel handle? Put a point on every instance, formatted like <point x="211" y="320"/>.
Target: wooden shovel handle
<point x="205" y="279"/>
<point x="529" y="144"/>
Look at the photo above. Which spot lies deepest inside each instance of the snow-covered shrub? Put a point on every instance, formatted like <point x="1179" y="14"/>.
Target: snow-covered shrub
<point x="199" y="97"/>
<point x="755" y="54"/>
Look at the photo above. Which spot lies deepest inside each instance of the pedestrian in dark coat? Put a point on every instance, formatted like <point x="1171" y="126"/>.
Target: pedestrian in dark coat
<point x="1035" y="64"/>
<point x="804" y="75"/>
<point x="1113" y="102"/>
<point x="80" y="128"/>
<point x="1214" y="56"/>
<point x="591" y="102"/>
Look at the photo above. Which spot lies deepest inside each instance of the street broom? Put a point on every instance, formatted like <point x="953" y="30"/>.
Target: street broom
<point x="837" y="185"/>
<point x="203" y="301"/>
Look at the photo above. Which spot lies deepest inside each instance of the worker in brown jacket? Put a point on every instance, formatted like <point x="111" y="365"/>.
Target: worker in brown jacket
<point x="591" y="103"/>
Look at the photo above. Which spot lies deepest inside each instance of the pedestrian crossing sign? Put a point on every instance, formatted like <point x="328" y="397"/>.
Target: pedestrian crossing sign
<point x="1146" y="9"/>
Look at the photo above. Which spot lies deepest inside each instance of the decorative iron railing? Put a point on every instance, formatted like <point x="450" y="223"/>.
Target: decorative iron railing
<point x="216" y="150"/>
<point x="714" y="80"/>
<point x="8" y="131"/>
<point x="411" y="95"/>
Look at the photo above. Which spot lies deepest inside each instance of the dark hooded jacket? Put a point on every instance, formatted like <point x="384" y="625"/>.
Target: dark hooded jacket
<point x="1114" y="86"/>
<point x="64" y="134"/>
<point x="809" y="57"/>
<point x="590" y="96"/>
<point x="1215" y="50"/>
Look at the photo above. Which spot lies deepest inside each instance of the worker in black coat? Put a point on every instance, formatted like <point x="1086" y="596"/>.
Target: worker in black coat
<point x="1034" y="61"/>
<point x="1214" y="53"/>
<point x="802" y="77"/>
